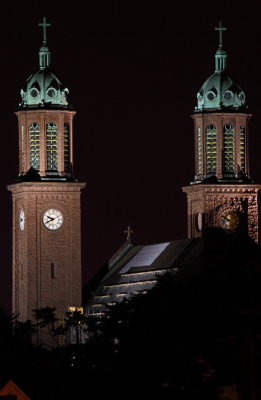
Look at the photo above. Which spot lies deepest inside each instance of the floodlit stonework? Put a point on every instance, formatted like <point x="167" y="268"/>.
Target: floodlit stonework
<point x="212" y="202"/>
<point x="37" y="249"/>
<point x="46" y="266"/>
<point x="222" y="193"/>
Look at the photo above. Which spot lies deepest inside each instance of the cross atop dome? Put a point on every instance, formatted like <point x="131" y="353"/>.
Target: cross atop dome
<point x="44" y="25"/>
<point x="43" y="88"/>
<point x="44" y="53"/>
<point x="221" y="55"/>
<point x="220" y="28"/>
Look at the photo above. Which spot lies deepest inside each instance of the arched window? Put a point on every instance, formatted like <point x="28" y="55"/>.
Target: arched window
<point x="211" y="150"/>
<point x="199" y="151"/>
<point x="52" y="146"/>
<point x="242" y="148"/>
<point x="229" y="149"/>
<point x="34" y="145"/>
<point x="66" y="133"/>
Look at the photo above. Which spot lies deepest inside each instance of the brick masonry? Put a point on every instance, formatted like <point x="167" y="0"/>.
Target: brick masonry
<point x="36" y="248"/>
<point x="43" y="117"/>
<point x="211" y="200"/>
<point x="236" y="120"/>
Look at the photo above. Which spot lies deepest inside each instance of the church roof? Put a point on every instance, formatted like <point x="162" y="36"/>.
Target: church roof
<point x="12" y="391"/>
<point x="136" y="269"/>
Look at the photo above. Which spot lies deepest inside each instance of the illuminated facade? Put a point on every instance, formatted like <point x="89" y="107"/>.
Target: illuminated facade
<point x="222" y="193"/>
<point x="46" y="198"/>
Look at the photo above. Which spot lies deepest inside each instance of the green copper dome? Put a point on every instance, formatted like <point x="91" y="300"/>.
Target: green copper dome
<point x="44" y="89"/>
<point x="220" y="91"/>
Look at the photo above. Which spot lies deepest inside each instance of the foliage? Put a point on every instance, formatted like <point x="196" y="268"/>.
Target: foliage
<point x="181" y="340"/>
<point x="160" y="347"/>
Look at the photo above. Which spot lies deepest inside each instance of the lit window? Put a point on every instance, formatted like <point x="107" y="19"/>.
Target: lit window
<point x="66" y="148"/>
<point x="199" y="151"/>
<point x="229" y="149"/>
<point x="22" y="138"/>
<point x="211" y="149"/>
<point x="34" y="145"/>
<point x="73" y="309"/>
<point x="242" y="148"/>
<point x="52" y="146"/>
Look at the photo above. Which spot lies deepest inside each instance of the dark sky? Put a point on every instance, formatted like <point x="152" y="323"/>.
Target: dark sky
<point x="133" y="70"/>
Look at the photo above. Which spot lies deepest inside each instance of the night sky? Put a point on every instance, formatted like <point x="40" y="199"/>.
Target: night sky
<point x="133" y="70"/>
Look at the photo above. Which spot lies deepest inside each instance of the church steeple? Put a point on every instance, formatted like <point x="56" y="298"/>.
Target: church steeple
<point x="45" y="122"/>
<point x="46" y="268"/>
<point x="44" y="53"/>
<point x="220" y="91"/>
<point x="221" y="125"/>
<point x="221" y="55"/>
<point x="222" y="194"/>
<point x="44" y="89"/>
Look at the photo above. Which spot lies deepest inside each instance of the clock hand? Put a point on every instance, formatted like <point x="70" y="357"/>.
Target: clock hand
<point x="226" y="218"/>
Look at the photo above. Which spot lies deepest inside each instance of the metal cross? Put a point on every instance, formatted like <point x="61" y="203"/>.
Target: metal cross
<point x="44" y="24"/>
<point x="129" y="232"/>
<point x="220" y="28"/>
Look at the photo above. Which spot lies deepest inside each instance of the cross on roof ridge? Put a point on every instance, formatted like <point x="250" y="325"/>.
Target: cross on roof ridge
<point x="129" y="232"/>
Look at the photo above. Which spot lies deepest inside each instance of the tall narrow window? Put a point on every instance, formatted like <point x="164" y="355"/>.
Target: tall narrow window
<point x="22" y="272"/>
<point x="52" y="146"/>
<point x="229" y="149"/>
<point x="211" y="150"/>
<point x="34" y="145"/>
<point x="53" y="271"/>
<point x="66" y="147"/>
<point x="199" y="151"/>
<point x="22" y="139"/>
<point x="242" y="148"/>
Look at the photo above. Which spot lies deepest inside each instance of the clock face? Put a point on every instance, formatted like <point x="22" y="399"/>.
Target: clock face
<point x="230" y="220"/>
<point x="21" y="220"/>
<point x="53" y="219"/>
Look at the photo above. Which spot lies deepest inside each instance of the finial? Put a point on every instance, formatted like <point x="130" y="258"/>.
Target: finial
<point x="221" y="55"/>
<point x="220" y="28"/>
<point x="44" y="24"/>
<point x="44" y="53"/>
<point x="129" y="232"/>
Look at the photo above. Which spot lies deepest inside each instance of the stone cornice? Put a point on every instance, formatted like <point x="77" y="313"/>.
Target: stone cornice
<point x="45" y="111"/>
<point x="47" y="187"/>
<point x="223" y="189"/>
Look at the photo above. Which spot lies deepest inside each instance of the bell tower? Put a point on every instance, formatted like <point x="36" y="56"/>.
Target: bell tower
<point x="46" y="267"/>
<point x="222" y="193"/>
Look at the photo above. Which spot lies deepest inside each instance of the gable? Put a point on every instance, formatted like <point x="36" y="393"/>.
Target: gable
<point x="12" y="391"/>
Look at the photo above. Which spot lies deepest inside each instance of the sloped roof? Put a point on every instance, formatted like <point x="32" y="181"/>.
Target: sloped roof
<point x="136" y="269"/>
<point x="11" y="390"/>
